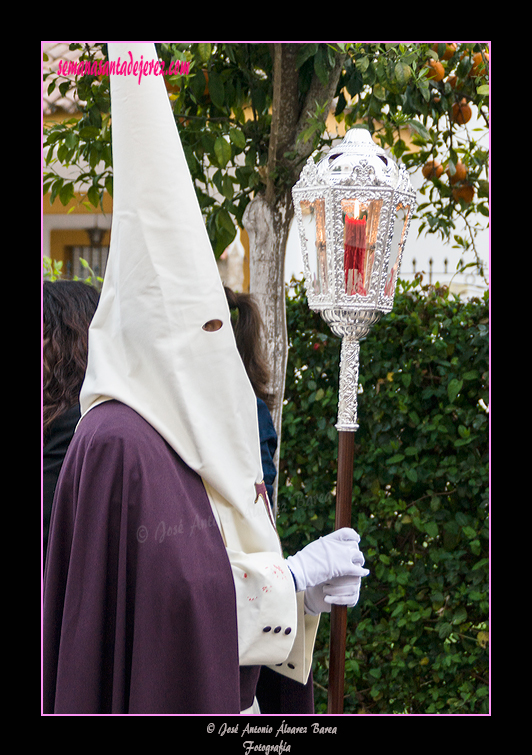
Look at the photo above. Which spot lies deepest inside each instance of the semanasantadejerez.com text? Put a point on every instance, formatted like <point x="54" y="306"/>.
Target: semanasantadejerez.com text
<point x="119" y="67"/>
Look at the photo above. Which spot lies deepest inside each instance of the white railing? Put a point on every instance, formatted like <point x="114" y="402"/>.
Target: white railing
<point x="467" y="279"/>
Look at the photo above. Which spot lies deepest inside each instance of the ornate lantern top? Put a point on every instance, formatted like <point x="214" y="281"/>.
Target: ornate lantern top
<point x="358" y="160"/>
<point x="353" y="210"/>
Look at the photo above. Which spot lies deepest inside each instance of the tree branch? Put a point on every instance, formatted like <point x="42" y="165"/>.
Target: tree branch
<point x="289" y="120"/>
<point x="320" y="95"/>
<point x="284" y="109"/>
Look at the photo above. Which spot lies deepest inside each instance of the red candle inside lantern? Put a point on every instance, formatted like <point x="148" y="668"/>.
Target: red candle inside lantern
<point x="354" y="255"/>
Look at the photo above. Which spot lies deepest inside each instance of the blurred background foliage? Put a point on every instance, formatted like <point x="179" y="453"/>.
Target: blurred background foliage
<point x="418" y="639"/>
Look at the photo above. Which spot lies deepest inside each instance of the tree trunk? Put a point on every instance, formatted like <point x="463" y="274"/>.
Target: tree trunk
<point x="268" y="216"/>
<point x="268" y="227"/>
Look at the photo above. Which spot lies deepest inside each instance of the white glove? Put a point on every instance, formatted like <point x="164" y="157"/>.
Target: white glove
<point x="335" y="555"/>
<point x="341" y="591"/>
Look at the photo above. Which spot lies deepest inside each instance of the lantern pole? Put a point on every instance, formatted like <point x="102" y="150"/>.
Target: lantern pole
<point x="346" y="426"/>
<point x="338" y="637"/>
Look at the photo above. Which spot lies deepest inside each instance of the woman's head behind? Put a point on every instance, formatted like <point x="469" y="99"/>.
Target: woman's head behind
<point x="68" y="308"/>
<point x="248" y="327"/>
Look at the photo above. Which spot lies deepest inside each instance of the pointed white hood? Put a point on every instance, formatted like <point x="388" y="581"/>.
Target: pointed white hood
<point x="147" y="345"/>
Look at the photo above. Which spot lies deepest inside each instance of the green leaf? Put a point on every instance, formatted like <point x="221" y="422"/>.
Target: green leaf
<point x="71" y="139"/>
<point x="223" y="221"/>
<point x="305" y="52"/>
<point x="93" y="195"/>
<point x="222" y="150"/>
<point x="414" y="417"/>
<point x="320" y="66"/>
<point x="216" y="89"/>
<point x="197" y="84"/>
<point x="362" y="64"/>
<point x="419" y="129"/>
<point x="403" y="74"/>
<point x="453" y="389"/>
<point x="483" y="188"/>
<point x="460" y="616"/>
<point x="56" y="188"/>
<point x="204" y="51"/>
<point x="238" y="138"/>
<point x="227" y="187"/>
<point x="395" y="459"/>
<point x="425" y="90"/>
<point x="89" y="132"/>
<point x="66" y="193"/>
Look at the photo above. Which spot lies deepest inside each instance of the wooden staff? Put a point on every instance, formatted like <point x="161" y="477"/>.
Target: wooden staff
<point x="344" y="492"/>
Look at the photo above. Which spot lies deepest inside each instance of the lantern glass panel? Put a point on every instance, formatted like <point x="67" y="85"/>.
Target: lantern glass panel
<point x="361" y="223"/>
<point x="402" y="212"/>
<point x="313" y="214"/>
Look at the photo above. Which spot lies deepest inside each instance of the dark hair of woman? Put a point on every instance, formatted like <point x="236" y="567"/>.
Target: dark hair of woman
<point x="248" y="329"/>
<point x="68" y="308"/>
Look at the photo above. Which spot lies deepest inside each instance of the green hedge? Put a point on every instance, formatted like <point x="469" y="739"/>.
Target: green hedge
<point x="418" y="639"/>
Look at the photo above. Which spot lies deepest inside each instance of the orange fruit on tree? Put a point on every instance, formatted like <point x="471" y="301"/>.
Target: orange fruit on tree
<point x="171" y="88"/>
<point x="452" y="81"/>
<point x="436" y="70"/>
<point x="466" y="192"/>
<point x="480" y="64"/>
<point x="450" y="49"/>
<point x="432" y="169"/>
<point x="462" y="112"/>
<point x="459" y="174"/>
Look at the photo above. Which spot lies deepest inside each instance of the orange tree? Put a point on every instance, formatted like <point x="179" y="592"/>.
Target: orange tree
<point x="429" y="93"/>
<point x="417" y="99"/>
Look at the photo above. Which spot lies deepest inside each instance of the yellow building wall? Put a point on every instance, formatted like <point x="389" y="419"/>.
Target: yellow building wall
<point x="61" y="239"/>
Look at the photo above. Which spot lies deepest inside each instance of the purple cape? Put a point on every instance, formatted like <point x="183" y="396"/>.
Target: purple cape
<point x="139" y="610"/>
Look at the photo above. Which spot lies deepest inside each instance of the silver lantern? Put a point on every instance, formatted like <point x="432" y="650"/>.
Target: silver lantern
<point x="353" y="211"/>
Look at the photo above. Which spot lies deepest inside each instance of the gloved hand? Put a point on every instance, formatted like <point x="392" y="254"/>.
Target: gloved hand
<point x="335" y="555"/>
<point x="341" y="591"/>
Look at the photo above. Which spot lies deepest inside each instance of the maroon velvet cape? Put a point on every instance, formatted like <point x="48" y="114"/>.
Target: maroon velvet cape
<point x="139" y="610"/>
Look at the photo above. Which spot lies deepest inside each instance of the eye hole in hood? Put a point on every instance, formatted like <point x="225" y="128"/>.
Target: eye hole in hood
<point x="212" y="325"/>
